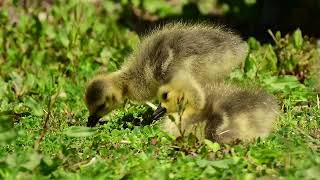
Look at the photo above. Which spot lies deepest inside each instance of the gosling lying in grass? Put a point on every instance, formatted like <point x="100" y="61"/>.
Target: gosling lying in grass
<point x="225" y="113"/>
<point x="204" y="52"/>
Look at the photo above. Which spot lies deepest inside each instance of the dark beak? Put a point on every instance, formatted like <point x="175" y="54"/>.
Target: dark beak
<point x="93" y="120"/>
<point x="159" y="112"/>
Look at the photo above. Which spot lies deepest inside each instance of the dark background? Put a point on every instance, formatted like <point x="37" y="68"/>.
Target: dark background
<point x="250" y="20"/>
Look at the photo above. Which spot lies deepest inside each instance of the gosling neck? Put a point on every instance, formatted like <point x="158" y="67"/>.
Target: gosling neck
<point x="119" y="84"/>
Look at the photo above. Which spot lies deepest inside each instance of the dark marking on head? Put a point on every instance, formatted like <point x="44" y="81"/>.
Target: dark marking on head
<point x="94" y="91"/>
<point x="101" y="107"/>
<point x="113" y="98"/>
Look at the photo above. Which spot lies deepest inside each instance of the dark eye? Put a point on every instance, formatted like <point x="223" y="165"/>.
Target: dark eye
<point x="164" y="96"/>
<point x="101" y="107"/>
<point x="113" y="98"/>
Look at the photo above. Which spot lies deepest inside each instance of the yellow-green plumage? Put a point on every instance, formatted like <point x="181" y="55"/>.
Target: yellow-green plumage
<point x="204" y="53"/>
<point x="228" y="112"/>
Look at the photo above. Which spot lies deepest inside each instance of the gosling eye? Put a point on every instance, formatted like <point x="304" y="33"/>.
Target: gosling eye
<point x="164" y="96"/>
<point x="113" y="98"/>
<point x="101" y="107"/>
<point x="107" y="98"/>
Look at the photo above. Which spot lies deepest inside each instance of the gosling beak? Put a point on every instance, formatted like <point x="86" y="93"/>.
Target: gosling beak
<point x="159" y="112"/>
<point x="93" y="120"/>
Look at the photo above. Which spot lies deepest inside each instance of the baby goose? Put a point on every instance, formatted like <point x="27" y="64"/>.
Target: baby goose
<point x="207" y="53"/>
<point x="225" y="114"/>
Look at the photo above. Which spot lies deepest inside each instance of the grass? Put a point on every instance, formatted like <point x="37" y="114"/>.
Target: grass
<point x="47" y="56"/>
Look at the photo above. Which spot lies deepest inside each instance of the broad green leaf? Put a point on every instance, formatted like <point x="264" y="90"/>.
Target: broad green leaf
<point x="6" y="136"/>
<point x="109" y="6"/>
<point x="50" y="32"/>
<point x="237" y="75"/>
<point x="209" y="170"/>
<point x="49" y="164"/>
<point x="270" y="60"/>
<point x="278" y="35"/>
<point x="249" y="176"/>
<point x="250" y="2"/>
<point x="7" y="132"/>
<point x="3" y="89"/>
<point x="225" y="163"/>
<point x="63" y="37"/>
<point x="79" y="131"/>
<point x="34" y="106"/>
<point x="203" y="163"/>
<point x="135" y="3"/>
<point x="312" y="173"/>
<point x="155" y="5"/>
<point x="297" y="38"/>
<point x="280" y="83"/>
<point x="250" y="67"/>
<point x="34" y="161"/>
<point x="222" y="164"/>
<point x="253" y="43"/>
<point x="151" y="5"/>
<point x="206" y="6"/>
<point x="124" y="2"/>
<point x="212" y="146"/>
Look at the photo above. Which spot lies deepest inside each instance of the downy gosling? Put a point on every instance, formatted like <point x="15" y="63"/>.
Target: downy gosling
<point x="224" y="113"/>
<point x="207" y="53"/>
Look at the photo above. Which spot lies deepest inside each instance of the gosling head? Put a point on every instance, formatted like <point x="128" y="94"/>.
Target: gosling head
<point x="171" y="100"/>
<point x="102" y="96"/>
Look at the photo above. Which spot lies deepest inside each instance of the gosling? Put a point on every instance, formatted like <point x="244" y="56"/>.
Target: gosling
<point x="224" y="113"/>
<point x="207" y="53"/>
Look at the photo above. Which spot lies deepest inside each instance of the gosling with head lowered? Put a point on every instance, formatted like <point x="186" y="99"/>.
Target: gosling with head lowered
<point x="206" y="53"/>
<point x="222" y="112"/>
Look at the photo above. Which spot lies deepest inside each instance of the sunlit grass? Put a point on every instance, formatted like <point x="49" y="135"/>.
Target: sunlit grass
<point x="45" y="64"/>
